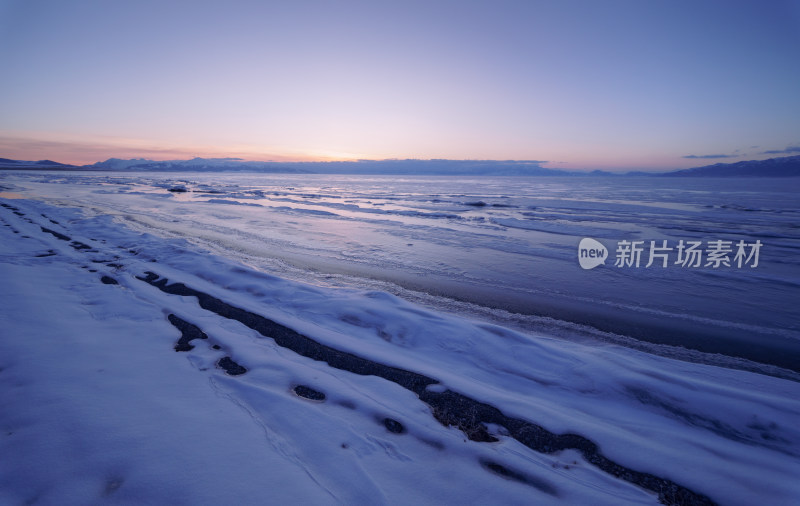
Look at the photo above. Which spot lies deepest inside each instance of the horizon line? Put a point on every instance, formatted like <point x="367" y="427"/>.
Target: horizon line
<point x="235" y="159"/>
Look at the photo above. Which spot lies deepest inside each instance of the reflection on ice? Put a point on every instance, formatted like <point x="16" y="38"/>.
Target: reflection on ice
<point x="506" y="245"/>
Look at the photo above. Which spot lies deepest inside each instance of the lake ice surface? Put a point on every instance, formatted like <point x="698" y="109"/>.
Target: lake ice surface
<point x="99" y="408"/>
<point x="504" y="248"/>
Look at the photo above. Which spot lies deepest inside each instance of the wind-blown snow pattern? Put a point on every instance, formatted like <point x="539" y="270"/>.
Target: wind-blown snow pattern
<point x="161" y="347"/>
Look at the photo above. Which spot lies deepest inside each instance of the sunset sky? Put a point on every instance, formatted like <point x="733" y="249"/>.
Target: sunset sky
<point x="578" y="84"/>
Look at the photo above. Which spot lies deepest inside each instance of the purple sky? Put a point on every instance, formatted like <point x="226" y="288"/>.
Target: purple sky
<point x="583" y="84"/>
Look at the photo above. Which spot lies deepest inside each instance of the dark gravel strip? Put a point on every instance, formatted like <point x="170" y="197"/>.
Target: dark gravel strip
<point x="189" y="332"/>
<point x="449" y="408"/>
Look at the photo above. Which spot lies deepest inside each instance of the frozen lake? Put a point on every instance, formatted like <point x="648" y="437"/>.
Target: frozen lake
<point x="499" y="248"/>
<point x="236" y="329"/>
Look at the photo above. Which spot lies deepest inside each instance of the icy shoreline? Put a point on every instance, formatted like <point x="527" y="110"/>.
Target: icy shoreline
<point x="729" y="435"/>
<point x="499" y="250"/>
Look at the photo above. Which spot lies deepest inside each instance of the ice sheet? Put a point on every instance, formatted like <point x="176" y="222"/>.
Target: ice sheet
<point x="99" y="407"/>
<point x="503" y="247"/>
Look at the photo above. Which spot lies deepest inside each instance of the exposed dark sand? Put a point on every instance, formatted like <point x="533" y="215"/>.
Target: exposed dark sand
<point x="393" y="426"/>
<point x="189" y="332"/>
<point x="309" y="393"/>
<point x="229" y="366"/>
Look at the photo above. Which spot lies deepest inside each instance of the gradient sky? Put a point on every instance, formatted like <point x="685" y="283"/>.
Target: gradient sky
<point x="592" y="84"/>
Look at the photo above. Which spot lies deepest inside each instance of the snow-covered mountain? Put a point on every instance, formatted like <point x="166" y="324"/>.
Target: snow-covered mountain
<point x="195" y="164"/>
<point x="7" y="163"/>
<point x="119" y="164"/>
<point x="411" y="166"/>
<point x="787" y="166"/>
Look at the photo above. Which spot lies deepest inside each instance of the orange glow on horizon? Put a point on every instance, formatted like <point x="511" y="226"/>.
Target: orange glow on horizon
<point x="84" y="151"/>
<point x="80" y="150"/>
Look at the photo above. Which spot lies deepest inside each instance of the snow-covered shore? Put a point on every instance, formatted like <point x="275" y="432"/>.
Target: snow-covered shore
<point x="98" y="407"/>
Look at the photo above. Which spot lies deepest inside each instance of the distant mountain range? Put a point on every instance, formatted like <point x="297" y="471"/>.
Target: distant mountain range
<point x="6" y="163"/>
<point x="397" y="167"/>
<point x="787" y="166"/>
<point x="774" y="167"/>
<point x="193" y="165"/>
